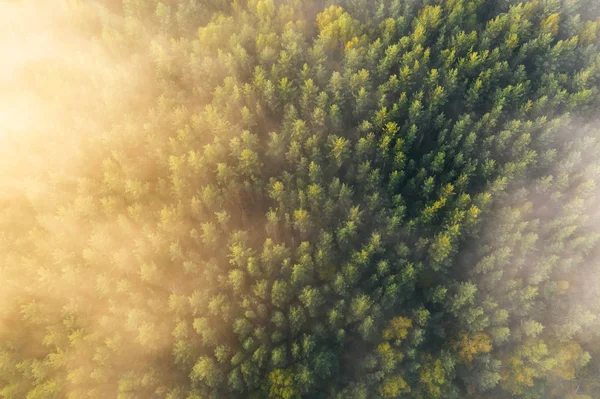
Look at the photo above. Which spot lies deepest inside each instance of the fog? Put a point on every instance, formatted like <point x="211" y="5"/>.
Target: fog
<point x="56" y="91"/>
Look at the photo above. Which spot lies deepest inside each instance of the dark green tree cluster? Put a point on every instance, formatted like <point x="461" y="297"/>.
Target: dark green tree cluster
<point x="335" y="199"/>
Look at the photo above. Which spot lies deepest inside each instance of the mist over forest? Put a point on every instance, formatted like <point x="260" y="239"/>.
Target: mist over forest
<point x="285" y="199"/>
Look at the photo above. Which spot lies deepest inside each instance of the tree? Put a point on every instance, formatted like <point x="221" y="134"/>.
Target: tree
<point x="282" y="384"/>
<point x="207" y="371"/>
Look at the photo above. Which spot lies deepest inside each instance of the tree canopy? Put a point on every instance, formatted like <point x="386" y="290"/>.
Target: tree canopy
<point x="293" y="199"/>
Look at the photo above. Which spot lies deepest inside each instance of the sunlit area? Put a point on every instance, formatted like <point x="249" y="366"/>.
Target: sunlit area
<point x="285" y="199"/>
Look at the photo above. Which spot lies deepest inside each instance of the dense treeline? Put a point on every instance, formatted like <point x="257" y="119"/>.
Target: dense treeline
<point x="331" y="199"/>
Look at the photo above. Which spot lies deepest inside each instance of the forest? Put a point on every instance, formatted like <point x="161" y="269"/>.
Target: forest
<point x="285" y="199"/>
